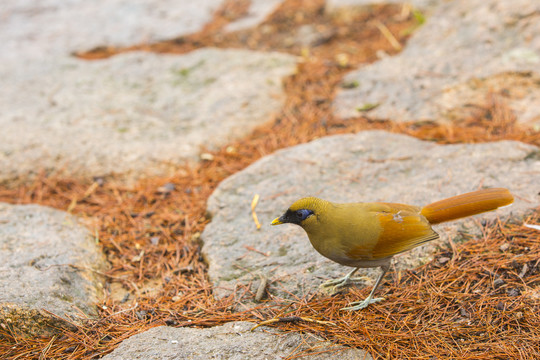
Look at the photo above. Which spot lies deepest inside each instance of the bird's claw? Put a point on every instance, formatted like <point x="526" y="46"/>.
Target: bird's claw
<point x="343" y="282"/>
<point x="358" y="305"/>
<point x="336" y="283"/>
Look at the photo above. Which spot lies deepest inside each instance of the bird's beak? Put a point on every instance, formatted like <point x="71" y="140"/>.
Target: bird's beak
<point x="277" y="221"/>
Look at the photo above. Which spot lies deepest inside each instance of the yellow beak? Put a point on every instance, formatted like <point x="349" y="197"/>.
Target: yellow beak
<point x="276" y="222"/>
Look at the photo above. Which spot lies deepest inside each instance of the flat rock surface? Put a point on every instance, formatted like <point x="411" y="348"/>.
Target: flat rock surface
<point x="37" y="246"/>
<point x="233" y="341"/>
<point x="368" y="166"/>
<point x="466" y="50"/>
<point x="135" y="111"/>
<point x="34" y="28"/>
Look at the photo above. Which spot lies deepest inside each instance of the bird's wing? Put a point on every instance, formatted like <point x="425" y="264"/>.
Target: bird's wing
<point x="403" y="228"/>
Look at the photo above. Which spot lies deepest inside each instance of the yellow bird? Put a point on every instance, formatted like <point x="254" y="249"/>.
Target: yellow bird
<point x="365" y="235"/>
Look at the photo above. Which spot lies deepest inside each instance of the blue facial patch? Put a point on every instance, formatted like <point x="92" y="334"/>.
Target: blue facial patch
<point x="302" y="214"/>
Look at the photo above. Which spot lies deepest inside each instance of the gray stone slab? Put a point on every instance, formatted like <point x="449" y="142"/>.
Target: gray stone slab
<point x="135" y="111"/>
<point x="37" y="246"/>
<point x="35" y="28"/>
<point x="368" y="166"/>
<point x="466" y="49"/>
<point x="38" y="28"/>
<point x="232" y="341"/>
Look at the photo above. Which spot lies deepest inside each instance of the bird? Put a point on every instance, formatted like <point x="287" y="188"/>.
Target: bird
<point x="368" y="235"/>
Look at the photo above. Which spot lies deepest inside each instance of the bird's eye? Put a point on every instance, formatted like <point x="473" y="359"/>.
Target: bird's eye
<point x="302" y="214"/>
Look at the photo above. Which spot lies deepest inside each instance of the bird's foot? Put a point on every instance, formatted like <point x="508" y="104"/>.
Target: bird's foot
<point x="332" y="287"/>
<point x="343" y="282"/>
<point x="357" y="305"/>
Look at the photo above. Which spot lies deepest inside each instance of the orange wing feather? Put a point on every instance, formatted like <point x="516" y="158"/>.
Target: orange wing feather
<point x="402" y="228"/>
<point x="401" y="233"/>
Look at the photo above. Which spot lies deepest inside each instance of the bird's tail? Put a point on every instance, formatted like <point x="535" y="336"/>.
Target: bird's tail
<point x="468" y="204"/>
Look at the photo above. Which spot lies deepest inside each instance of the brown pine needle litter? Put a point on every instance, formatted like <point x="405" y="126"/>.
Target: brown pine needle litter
<point x="477" y="300"/>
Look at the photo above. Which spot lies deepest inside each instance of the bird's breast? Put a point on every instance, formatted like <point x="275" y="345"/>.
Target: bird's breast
<point x="347" y="240"/>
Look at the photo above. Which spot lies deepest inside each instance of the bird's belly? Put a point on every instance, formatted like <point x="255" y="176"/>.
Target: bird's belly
<point x="363" y="263"/>
<point x="335" y="251"/>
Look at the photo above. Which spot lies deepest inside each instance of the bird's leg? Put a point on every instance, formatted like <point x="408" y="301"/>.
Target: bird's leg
<point x="357" y="305"/>
<point x="341" y="282"/>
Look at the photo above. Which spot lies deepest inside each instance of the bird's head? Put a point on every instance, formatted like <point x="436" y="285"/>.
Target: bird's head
<point x="303" y="212"/>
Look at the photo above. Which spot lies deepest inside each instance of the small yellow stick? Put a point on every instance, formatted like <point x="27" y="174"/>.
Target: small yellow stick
<point x="388" y="35"/>
<point x="254" y="203"/>
<point x="87" y="193"/>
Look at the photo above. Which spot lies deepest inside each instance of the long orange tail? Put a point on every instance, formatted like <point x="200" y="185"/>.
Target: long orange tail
<point x="468" y="204"/>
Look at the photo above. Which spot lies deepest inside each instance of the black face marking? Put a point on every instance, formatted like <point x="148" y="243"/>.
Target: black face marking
<point x="295" y="217"/>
